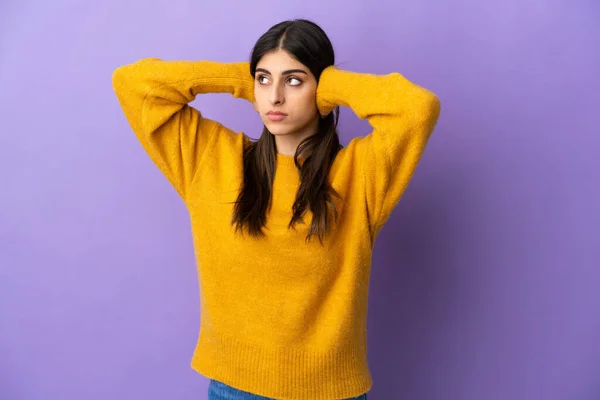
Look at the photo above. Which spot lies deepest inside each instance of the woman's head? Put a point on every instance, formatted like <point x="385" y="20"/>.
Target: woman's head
<point x="287" y="62"/>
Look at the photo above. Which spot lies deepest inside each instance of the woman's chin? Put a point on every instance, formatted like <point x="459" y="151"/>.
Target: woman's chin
<point x="278" y="130"/>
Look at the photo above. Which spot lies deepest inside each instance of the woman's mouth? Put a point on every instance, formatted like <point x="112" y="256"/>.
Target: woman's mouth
<point x="276" y="116"/>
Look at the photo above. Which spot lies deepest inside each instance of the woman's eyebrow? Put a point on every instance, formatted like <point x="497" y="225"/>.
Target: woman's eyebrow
<point x="287" y="72"/>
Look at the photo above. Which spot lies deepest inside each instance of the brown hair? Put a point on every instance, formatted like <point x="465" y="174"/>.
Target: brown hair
<point x="308" y="43"/>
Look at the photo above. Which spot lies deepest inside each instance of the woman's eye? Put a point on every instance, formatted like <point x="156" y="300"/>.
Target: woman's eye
<point x="292" y="81"/>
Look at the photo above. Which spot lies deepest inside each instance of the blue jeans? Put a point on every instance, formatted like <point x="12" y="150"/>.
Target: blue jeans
<point x="220" y="391"/>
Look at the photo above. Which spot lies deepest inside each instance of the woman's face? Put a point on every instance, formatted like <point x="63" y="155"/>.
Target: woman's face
<point x="282" y="84"/>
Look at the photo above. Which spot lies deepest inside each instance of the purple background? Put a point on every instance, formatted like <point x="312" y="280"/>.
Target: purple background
<point x="485" y="281"/>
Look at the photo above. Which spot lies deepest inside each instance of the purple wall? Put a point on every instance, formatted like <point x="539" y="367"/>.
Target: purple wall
<point x="485" y="281"/>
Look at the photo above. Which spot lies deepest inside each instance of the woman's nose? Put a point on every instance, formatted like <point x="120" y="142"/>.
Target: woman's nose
<point x="276" y="96"/>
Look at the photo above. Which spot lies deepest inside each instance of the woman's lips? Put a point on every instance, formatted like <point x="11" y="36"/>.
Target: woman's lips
<point x="276" y="117"/>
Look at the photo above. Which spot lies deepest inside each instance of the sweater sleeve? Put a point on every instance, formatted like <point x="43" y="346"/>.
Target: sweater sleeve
<point x="402" y="115"/>
<point x="154" y="95"/>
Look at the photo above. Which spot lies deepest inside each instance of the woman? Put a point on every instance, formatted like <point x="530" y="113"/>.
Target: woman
<point x="283" y="316"/>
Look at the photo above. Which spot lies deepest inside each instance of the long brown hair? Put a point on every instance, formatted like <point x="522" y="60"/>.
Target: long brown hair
<point x="308" y="43"/>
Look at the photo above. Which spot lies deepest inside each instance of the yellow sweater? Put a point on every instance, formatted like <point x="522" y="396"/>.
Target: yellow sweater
<point x="280" y="317"/>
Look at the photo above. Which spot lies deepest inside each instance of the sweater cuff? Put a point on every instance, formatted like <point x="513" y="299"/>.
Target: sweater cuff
<point x="326" y="99"/>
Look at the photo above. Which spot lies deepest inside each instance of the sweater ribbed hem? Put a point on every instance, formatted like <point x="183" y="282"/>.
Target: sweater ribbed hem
<point x="283" y="373"/>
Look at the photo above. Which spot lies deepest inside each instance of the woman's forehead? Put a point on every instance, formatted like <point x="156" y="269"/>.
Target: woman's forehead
<point x="278" y="61"/>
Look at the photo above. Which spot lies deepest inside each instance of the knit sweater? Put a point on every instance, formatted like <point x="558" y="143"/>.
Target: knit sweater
<point x="280" y="317"/>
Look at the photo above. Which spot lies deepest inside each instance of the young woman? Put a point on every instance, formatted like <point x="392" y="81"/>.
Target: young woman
<point x="284" y="226"/>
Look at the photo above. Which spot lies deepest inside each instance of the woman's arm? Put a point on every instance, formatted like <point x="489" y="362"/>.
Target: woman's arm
<point x="403" y="116"/>
<point x="154" y="95"/>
